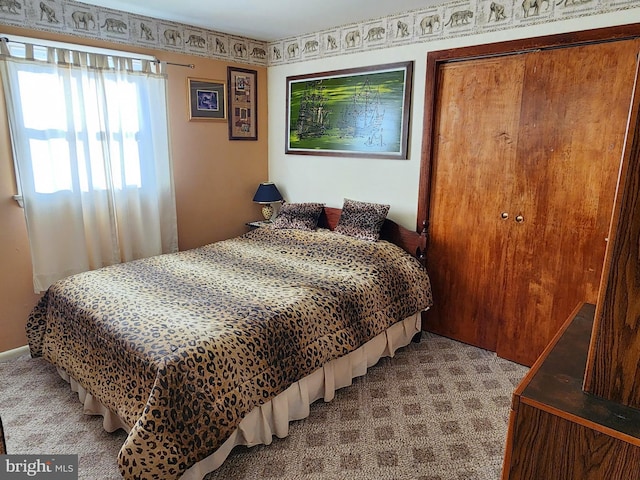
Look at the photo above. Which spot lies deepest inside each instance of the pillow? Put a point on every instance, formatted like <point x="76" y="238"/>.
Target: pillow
<point x="361" y="219"/>
<point x="299" y="216"/>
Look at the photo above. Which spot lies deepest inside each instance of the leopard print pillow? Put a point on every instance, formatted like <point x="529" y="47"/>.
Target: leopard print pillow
<point x="362" y="220"/>
<point x="298" y="216"/>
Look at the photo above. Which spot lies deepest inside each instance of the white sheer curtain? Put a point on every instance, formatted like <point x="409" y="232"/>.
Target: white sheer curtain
<point x="91" y="149"/>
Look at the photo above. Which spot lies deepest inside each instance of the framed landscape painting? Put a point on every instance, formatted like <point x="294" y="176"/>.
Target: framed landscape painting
<point x="358" y="112"/>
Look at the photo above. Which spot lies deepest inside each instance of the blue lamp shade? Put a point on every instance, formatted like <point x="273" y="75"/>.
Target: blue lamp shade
<point x="267" y="193"/>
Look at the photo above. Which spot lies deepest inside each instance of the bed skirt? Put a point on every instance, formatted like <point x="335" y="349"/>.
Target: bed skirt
<point x="272" y="418"/>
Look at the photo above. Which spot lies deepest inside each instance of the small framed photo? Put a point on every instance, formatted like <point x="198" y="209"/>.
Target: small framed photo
<point x="243" y="103"/>
<point x="207" y="99"/>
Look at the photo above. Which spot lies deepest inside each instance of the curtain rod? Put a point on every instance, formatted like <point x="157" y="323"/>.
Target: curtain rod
<point x="190" y="65"/>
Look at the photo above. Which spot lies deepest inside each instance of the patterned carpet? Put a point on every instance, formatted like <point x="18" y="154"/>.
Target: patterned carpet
<point x="438" y="410"/>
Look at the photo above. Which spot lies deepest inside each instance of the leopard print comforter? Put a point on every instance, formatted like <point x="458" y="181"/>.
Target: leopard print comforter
<point x="182" y="346"/>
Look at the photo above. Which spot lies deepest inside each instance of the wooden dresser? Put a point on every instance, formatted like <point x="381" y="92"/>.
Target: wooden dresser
<point x="557" y="431"/>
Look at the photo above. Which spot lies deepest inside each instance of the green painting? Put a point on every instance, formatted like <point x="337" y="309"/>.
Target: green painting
<point x="356" y="112"/>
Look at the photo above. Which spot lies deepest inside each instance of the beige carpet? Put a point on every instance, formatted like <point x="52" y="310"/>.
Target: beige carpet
<point x="438" y="410"/>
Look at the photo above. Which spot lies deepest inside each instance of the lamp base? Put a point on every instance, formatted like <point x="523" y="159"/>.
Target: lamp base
<point x="267" y="212"/>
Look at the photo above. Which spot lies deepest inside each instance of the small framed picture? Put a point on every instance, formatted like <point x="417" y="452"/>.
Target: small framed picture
<point x="243" y="103"/>
<point x="206" y="99"/>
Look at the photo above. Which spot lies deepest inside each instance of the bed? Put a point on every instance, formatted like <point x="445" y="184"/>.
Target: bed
<point x="195" y="352"/>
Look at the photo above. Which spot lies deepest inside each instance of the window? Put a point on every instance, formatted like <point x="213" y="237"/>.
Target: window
<point x="90" y="141"/>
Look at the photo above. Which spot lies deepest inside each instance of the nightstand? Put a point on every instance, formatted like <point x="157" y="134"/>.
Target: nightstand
<point x="257" y="224"/>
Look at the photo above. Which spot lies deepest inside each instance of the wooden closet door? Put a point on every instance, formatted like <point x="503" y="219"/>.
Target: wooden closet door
<point x="537" y="135"/>
<point x="574" y="111"/>
<point x="474" y="164"/>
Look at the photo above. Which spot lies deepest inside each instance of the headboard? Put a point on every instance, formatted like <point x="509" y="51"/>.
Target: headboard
<point x="412" y="242"/>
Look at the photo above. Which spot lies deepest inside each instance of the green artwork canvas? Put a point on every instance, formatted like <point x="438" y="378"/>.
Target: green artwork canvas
<point x="351" y="112"/>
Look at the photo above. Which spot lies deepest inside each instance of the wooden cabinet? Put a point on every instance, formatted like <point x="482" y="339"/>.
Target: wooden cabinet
<point x="613" y="367"/>
<point x="522" y="165"/>
<point x="557" y="431"/>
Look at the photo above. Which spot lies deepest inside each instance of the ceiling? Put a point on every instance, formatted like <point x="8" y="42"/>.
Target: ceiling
<point x="266" y="20"/>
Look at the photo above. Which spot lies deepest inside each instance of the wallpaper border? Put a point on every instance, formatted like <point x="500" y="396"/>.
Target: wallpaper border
<point x="90" y="21"/>
<point x="456" y="18"/>
<point x="452" y="19"/>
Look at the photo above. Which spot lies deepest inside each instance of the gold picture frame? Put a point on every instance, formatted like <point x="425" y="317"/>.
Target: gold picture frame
<point x="206" y="99"/>
<point x="243" y="103"/>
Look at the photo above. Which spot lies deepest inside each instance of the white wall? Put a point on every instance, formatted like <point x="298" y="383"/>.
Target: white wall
<point x="303" y="178"/>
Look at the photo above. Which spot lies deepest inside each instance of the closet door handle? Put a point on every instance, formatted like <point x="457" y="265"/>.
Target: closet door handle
<point x="504" y="215"/>
<point x="519" y="219"/>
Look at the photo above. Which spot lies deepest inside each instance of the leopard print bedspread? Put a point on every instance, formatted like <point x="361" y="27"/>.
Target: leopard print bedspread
<point x="182" y="346"/>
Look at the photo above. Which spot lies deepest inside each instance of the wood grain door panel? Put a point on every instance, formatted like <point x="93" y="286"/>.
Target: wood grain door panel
<point x="573" y="121"/>
<point x="475" y="148"/>
<point x="537" y="134"/>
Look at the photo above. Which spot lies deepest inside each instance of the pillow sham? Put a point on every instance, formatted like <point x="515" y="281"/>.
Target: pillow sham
<point x="362" y="220"/>
<point x="298" y="216"/>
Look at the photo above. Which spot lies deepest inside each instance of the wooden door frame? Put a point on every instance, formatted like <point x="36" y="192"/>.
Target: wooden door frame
<point x="437" y="58"/>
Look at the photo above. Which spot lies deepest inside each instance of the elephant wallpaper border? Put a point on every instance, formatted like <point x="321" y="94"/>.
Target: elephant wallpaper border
<point x="90" y="21"/>
<point x="451" y="19"/>
<point x="447" y="20"/>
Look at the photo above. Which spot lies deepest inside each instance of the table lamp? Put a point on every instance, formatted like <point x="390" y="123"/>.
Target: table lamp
<point x="267" y="194"/>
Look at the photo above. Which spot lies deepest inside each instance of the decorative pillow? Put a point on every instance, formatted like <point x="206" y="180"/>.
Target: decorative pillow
<point x="298" y="216"/>
<point x="361" y="219"/>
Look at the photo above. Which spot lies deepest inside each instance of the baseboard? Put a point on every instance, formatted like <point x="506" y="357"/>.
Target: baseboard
<point x="15" y="353"/>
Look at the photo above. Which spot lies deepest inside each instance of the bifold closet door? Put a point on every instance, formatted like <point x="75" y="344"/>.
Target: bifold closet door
<point x="474" y="166"/>
<point x="525" y="159"/>
<point x="574" y="112"/>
